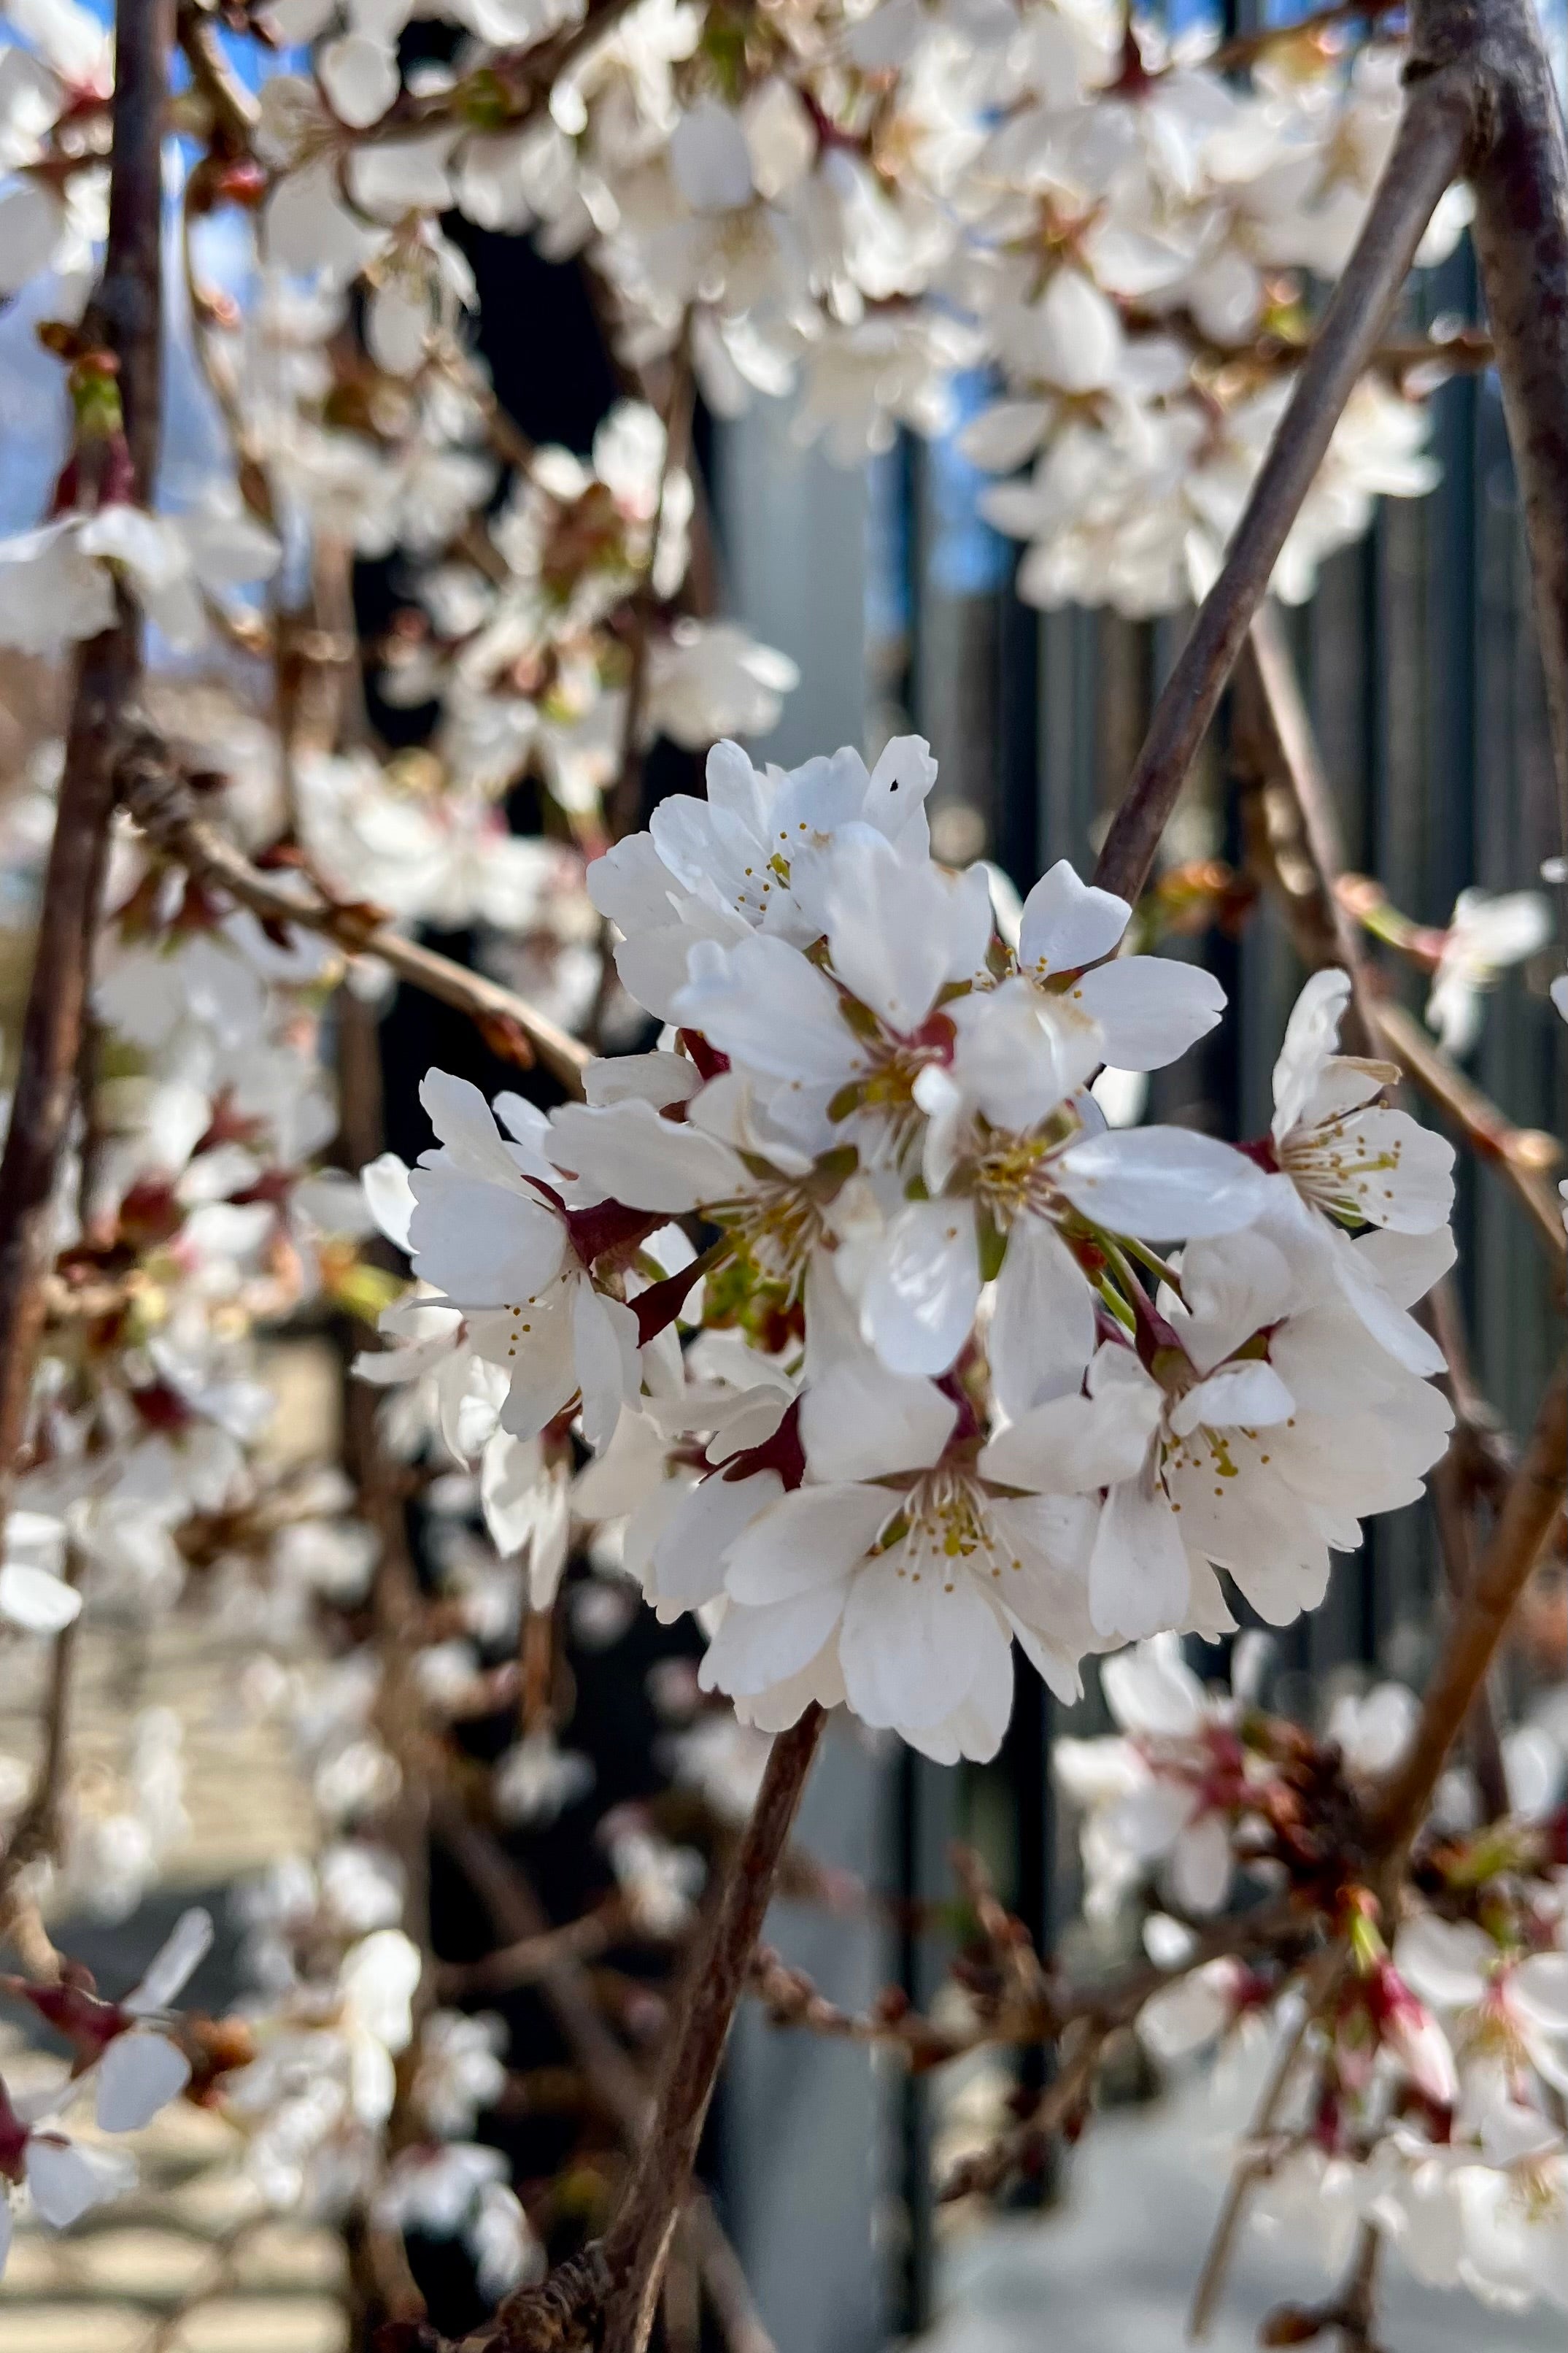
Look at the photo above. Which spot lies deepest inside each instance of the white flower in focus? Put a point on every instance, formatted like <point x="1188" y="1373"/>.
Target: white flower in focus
<point x="900" y="1574"/>
<point x="1346" y="1155"/>
<point x="488" y="1238"/>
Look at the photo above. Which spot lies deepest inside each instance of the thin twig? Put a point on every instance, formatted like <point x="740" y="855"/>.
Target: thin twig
<point x="1426" y="153"/>
<point x="626" y="798"/>
<point x="1283" y="706"/>
<point x="1528" y="1514"/>
<point x="1516" y="1153"/>
<point x="1320" y="1982"/>
<point x="37" y="1831"/>
<point x="1023" y="2145"/>
<point x="1269" y="701"/>
<point x="529" y="1960"/>
<point x="163" y="805"/>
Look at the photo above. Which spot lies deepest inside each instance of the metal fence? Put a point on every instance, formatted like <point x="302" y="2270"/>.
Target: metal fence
<point x="1418" y="658"/>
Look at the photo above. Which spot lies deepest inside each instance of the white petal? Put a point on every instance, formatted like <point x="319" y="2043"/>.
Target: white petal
<point x="918" y="1306"/>
<point x="755" y="1648"/>
<point x="1247" y="1396"/>
<point x="1201" y="1865"/>
<point x="811" y="1537"/>
<point x="1162" y="1183"/>
<point x="635" y="1156"/>
<point x="397" y="325"/>
<point x="690" y="1556"/>
<point x="1067" y="924"/>
<point x="1311" y="1034"/>
<point x="35" y="1601"/>
<point x="66" y="2179"/>
<point x="709" y="159"/>
<point x="1137" y="1580"/>
<point x="466" y="1126"/>
<point x="604" y="1347"/>
<point x="764" y="1005"/>
<point x="1042" y="1328"/>
<point x="1150" y="1008"/>
<point x="1539" y="1988"/>
<point x="483" y="1244"/>
<point x="858" y="1421"/>
<point x="182" y="1953"/>
<point x="913" y="1641"/>
<point x="1152" y="1689"/>
<point x="138" y="2074"/>
<point x="1447" y="1962"/>
<point x="1072" y="1445"/>
<point x="390" y="1195"/>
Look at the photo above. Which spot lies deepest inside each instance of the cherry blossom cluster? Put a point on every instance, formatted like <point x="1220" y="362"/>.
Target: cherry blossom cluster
<point x="941" y="1390"/>
<point x="857" y="204"/>
<point x="1426" y="2098"/>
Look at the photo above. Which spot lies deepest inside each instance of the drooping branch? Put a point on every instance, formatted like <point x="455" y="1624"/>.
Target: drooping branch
<point x="161" y="803"/>
<point x="1529" y="1513"/>
<point x="1268" y="669"/>
<point x="1271" y="704"/>
<point x="1427" y="153"/>
<point x="1516" y="1153"/>
<point x="125" y="318"/>
<point x="1274" y="733"/>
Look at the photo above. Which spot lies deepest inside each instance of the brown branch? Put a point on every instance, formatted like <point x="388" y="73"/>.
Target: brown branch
<point x="37" y="1831"/>
<point x="1275" y="737"/>
<point x="1526" y="1520"/>
<point x="626" y="798"/>
<point x="1519" y="171"/>
<point x="1267" y="664"/>
<point x="529" y="1960"/>
<point x="233" y="111"/>
<point x="1322" y="1980"/>
<point x="638" y="2238"/>
<point x="613" y="2077"/>
<point x="126" y="314"/>
<point x="1428" y="151"/>
<point x="1352" y="2315"/>
<point x="1269" y="705"/>
<point x="1024" y="2144"/>
<point x="1040" y="2014"/>
<point x="163" y="805"/>
<point x="1517" y="1153"/>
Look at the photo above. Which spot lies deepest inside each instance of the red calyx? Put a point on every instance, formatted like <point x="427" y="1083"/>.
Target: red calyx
<point x="709" y="1062"/>
<point x="782" y="1452"/>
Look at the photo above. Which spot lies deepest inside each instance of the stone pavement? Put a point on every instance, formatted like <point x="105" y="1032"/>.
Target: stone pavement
<point x="187" y="2264"/>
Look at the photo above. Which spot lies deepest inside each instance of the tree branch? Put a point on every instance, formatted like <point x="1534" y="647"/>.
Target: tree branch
<point x="638" y="2239"/>
<point x="1513" y="1151"/>
<point x="1427" y="153"/>
<point x="1519" y="171"/>
<point x="1528" y="1514"/>
<point x="161" y="803"/>
<point x="126" y="316"/>
<point x="613" y="2077"/>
